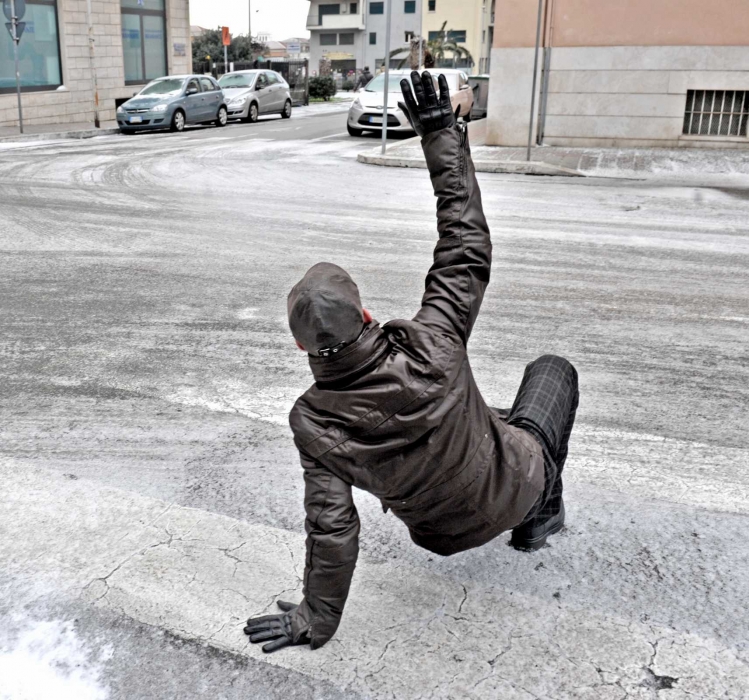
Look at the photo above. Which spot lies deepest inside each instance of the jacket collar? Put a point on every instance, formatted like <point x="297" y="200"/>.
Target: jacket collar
<point x="354" y="358"/>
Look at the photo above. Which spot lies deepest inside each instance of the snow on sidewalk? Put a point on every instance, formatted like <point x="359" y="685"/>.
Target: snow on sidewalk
<point x="407" y="632"/>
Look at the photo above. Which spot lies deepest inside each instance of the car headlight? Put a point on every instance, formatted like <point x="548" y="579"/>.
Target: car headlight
<point x="159" y="108"/>
<point x="357" y="103"/>
<point x="120" y="109"/>
<point x="238" y="101"/>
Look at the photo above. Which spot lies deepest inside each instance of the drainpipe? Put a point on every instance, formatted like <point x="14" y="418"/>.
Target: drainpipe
<point x="92" y="63"/>
<point x="548" y="22"/>
<point x="533" y="89"/>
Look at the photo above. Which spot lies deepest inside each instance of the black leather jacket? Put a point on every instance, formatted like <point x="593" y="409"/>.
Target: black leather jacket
<point x="399" y="414"/>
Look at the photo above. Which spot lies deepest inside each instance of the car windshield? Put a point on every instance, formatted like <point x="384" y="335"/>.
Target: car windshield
<point x="394" y="84"/>
<point x="452" y="80"/>
<point x="170" y="86"/>
<point x="237" y="80"/>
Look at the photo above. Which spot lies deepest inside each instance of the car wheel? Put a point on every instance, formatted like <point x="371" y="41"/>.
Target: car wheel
<point x="353" y="131"/>
<point x="178" y="121"/>
<point x="286" y="114"/>
<point x="252" y="113"/>
<point x="222" y="117"/>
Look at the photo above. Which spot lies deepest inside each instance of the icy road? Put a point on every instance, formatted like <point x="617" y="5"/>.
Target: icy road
<point x="151" y="495"/>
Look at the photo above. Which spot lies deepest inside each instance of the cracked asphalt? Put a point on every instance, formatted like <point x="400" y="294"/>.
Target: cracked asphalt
<point x="152" y="498"/>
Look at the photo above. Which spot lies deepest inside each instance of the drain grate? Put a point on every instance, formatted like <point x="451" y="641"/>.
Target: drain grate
<point x="716" y="112"/>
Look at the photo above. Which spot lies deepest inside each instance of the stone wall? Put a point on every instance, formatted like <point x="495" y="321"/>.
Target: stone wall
<point x="73" y="102"/>
<point x="612" y="96"/>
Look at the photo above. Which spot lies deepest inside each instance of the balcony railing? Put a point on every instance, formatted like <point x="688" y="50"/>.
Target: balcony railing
<point x="348" y="21"/>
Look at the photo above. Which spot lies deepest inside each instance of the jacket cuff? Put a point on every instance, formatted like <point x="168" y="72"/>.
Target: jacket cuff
<point x="442" y="148"/>
<point x="303" y="625"/>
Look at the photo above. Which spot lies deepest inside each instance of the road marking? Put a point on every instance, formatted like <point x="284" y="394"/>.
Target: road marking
<point x="332" y="136"/>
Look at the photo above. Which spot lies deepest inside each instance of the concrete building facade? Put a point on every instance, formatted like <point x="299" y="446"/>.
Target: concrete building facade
<point x="133" y="42"/>
<point x="352" y="34"/>
<point x="631" y="73"/>
<point x="469" y="22"/>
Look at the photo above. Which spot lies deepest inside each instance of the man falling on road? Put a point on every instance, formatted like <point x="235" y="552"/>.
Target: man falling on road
<point x="395" y="409"/>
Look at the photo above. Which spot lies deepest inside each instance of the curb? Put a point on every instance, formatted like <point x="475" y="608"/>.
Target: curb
<point x="54" y="136"/>
<point x="517" y="167"/>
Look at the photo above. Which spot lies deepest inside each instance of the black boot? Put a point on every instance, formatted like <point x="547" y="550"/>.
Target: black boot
<point x="532" y="535"/>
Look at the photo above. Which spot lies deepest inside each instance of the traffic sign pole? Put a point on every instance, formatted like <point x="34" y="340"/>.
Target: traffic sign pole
<point x="16" y="39"/>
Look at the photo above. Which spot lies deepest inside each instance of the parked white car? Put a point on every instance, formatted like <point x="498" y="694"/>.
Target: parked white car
<point x="366" y="112"/>
<point x="255" y="93"/>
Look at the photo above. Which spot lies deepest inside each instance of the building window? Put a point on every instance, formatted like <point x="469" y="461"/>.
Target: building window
<point x="376" y="8"/>
<point x="432" y="6"/>
<point x="328" y="39"/>
<point x="716" y="112"/>
<point x="346" y="39"/>
<point x="143" y="40"/>
<point x="39" y="51"/>
<point x="372" y="38"/>
<point x="409" y="7"/>
<point x="457" y="36"/>
<point x="330" y="9"/>
<point x="409" y="36"/>
<point x="353" y="8"/>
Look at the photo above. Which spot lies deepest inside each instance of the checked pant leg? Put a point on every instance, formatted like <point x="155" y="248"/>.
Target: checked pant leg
<point x="545" y="406"/>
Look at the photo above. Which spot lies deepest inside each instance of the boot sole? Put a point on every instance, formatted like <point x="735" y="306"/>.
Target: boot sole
<point x="537" y="542"/>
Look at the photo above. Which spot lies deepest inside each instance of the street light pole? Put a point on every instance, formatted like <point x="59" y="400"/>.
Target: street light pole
<point x="92" y="63"/>
<point x="249" y="25"/>
<point x="16" y="39"/>
<point x="387" y="77"/>
<point x="421" y="31"/>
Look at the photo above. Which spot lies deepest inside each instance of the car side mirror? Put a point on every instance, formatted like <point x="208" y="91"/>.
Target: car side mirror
<point x="259" y="86"/>
<point x="192" y="91"/>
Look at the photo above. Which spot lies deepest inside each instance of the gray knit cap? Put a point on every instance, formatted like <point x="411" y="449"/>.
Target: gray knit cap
<point x="324" y="308"/>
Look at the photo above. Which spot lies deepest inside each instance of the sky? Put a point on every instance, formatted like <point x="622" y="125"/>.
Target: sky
<point x="283" y="19"/>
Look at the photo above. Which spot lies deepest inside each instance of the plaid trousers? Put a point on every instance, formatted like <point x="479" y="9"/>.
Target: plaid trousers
<point x="545" y="407"/>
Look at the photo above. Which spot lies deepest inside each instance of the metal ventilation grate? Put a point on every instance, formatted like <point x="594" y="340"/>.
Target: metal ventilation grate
<point x="716" y="112"/>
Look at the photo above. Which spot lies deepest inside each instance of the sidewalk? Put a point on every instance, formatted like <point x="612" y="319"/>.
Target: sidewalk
<point x="198" y="575"/>
<point x="53" y="132"/>
<point x="724" y="166"/>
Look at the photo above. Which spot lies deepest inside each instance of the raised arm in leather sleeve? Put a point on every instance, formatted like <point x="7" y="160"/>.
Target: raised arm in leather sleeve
<point x="458" y="278"/>
<point x="332" y="549"/>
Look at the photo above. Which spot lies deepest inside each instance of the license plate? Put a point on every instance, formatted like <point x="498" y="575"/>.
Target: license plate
<point x="136" y="120"/>
<point x="375" y="120"/>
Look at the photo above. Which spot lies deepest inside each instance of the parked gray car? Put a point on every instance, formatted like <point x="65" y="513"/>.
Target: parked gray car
<point x="253" y="93"/>
<point x="173" y="102"/>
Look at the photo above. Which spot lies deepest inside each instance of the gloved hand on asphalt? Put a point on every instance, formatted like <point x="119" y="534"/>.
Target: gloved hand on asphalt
<point x="426" y="112"/>
<point x="275" y="627"/>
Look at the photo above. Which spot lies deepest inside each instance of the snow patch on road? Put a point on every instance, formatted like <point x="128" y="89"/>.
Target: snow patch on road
<point x="48" y="660"/>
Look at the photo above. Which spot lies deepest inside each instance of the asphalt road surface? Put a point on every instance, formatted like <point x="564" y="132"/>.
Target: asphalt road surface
<point x="152" y="497"/>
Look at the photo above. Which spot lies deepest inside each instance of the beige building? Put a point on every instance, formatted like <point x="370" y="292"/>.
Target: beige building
<point x="134" y="41"/>
<point x="628" y="73"/>
<point x="469" y="22"/>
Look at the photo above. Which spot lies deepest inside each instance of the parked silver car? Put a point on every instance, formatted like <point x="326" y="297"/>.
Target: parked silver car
<point x="173" y="102"/>
<point x="254" y="93"/>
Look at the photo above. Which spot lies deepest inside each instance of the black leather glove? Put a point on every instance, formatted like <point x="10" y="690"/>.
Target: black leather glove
<point x="275" y="627"/>
<point x="427" y="112"/>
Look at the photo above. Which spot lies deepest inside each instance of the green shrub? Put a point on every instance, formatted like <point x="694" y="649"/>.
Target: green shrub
<point x="348" y="85"/>
<point x="322" y="87"/>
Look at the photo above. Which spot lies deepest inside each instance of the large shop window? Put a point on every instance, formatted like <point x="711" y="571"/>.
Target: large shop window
<point x="143" y="40"/>
<point x="38" y="52"/>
